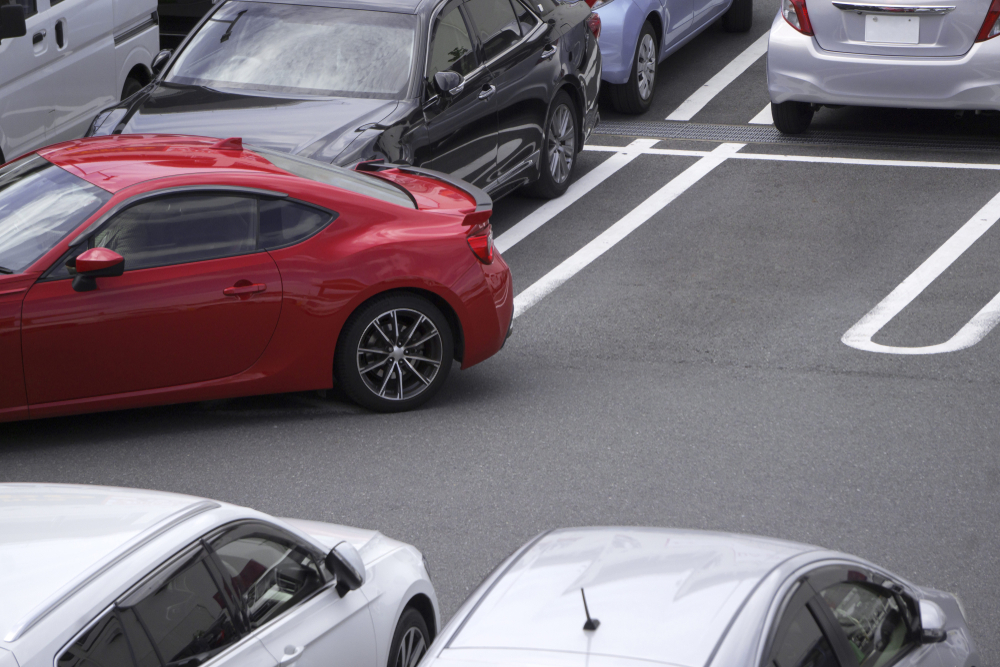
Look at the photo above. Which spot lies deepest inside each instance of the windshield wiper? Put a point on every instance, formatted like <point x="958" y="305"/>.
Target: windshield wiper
<point x="232" y="24"/>
<point x="4" y="269"/>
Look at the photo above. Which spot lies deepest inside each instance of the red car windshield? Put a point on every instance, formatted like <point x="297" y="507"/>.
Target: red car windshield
<point x="301" y="50"/>
<point x="39" y="205"/>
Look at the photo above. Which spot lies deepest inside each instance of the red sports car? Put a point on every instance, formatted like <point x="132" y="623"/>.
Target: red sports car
<point x="143" y="270"/>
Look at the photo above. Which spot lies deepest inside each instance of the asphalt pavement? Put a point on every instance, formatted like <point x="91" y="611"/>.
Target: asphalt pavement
<point x="693" y="375"/>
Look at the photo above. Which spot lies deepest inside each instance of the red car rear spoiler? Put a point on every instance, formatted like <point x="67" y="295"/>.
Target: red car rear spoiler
<point x="483" y="200"/>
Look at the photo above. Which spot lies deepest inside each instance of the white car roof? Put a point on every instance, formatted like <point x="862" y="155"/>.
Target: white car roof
<point x="54" y="537"/>
<point x="665" y="596"/>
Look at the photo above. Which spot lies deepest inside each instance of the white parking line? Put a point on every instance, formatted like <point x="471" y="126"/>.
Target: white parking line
<point x="764" y="117"/>
<point x="813" y="158"/>
<point x="628" y="224"/>
<point x="860" y="335"/>
<point x="587" y="182"/>
<point x="726" y="76"/>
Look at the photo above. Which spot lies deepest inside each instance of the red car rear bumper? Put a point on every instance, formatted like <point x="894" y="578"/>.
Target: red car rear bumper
<point x="490" y="309"/>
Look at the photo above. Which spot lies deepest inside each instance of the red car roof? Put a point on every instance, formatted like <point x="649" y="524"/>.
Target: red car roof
<point x="118" y="161"/>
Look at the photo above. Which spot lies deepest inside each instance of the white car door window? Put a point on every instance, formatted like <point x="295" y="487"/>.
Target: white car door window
<point x="291" y="602"/>
<point x="270" y="576"/>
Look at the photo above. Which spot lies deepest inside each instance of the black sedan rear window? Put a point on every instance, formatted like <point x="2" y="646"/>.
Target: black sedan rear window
<point x="301" y="50"/>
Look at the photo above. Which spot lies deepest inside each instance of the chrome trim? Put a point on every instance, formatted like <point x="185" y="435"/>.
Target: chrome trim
<point x="124" y="36"/>
<point x="861" y="8"/>
<point x="102" y="566"/>
<point x="82" y="236"/>
<point x="530" y="161"/>
<point x="487" y="93"/>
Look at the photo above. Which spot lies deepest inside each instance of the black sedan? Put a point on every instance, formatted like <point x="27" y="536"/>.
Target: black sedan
<point x="501" y="93"/>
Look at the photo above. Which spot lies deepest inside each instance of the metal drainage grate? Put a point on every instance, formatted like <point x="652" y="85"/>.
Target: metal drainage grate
<point x="765" y="134"/>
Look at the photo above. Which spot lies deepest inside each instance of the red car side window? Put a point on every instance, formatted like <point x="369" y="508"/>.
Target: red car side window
<point x="180" y="229"/>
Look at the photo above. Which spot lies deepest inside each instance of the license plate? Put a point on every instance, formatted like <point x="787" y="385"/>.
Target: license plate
<point x="892" y="29"/>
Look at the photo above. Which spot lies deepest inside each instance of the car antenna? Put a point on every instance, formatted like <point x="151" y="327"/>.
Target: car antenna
<point x="592" y="623"/>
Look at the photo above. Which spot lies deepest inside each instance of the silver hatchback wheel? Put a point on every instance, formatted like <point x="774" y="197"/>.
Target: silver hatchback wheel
<point x="561" y="143"/>
<point x="399" y="354"/>
<point x="645" y="69"/>
<point x="411" y="648"/>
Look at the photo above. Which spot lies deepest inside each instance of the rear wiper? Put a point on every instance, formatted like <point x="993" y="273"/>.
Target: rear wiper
<point x="4" y="269"/>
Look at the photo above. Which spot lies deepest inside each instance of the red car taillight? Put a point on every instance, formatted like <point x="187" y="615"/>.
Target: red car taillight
<point x="481" y="242"/>
<point x="795" y="12"/>
<point x="991" y="26"/>
<point x="594" y="23"/>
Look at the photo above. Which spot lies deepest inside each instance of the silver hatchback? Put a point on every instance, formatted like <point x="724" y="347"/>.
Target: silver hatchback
<point x="642" y="597"/>
<point x="930" y="54"/>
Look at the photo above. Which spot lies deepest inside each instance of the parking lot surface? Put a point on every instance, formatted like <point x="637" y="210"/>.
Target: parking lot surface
<point x="724" y="331"/>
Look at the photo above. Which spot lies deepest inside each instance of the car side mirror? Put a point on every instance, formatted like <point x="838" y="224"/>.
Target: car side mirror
<point x="95" y="263"/>
<point x="12" y="22"/>
<point x="931" y="623"/>
<point x="448" y="84"/>
<point x="345" y="562"/>
<point x="160" y="61"/>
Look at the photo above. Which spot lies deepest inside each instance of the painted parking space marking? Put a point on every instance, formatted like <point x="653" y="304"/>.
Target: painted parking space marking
<point x="586" y="183"/>
<point x="764" y="117"/>
<point x="860" y="335"/>
<point x="769" y="157"/>
<point x="717" y="83"/>
<point x="625" y="226"/>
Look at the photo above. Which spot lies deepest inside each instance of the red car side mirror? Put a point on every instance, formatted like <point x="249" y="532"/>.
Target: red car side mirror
<point x="96" y="263"/>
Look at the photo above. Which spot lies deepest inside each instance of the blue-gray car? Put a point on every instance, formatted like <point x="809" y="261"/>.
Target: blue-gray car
<point x="636" y="35"/>
<point x="924" y="54"/>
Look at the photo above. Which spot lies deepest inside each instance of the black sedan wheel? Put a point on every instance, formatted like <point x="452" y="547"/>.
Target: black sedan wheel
<point x="394" y="354"/>
<point x="410" y="641"/>
<point x="559" y="149"/>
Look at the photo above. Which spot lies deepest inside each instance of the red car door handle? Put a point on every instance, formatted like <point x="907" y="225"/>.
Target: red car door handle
<point x="237" y="290"/>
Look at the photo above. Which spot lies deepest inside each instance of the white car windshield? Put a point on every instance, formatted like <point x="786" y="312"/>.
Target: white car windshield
<point x="301" y="50"/>
<point x="39" y="205"/>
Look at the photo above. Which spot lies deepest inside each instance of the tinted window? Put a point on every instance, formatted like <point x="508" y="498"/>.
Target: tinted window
<point x="300" y="49"/>
<point x="370" y="186"/>
<point x="451" y="47"/>
<point x="39" y="205"/>
<point x="103" y="645"/>
<point x="185" y="616"/>
<point x="283" y="223"/>
<point x="871" y="619"/>
<point x="142" y="649"/>
<point x="30" y="6"/>
<point x="527" y="20"/>
<point x="803" y="645"/>
<point x="496" y="24"/>
<point x="270" y="574"/>
<point x="180" y="229"/>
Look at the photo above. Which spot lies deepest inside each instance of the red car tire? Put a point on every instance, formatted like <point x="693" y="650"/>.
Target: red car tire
<point x="394" y="353"/>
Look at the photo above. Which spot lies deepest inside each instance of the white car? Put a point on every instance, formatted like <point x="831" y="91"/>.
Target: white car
<point x="77" y="57"/>
<point x="641" y="597"/>
<point x="104" y="577"/>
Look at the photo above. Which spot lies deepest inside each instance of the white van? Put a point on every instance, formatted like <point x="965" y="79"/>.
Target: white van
<point x="77" y="57"/>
